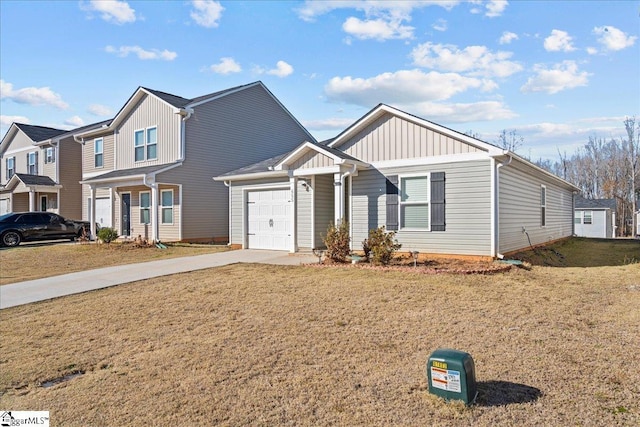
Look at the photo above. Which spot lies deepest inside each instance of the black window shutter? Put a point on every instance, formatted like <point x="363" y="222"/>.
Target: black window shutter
<point x="36" y="166"/>
<point x="438" y="222"/>
<point x="392" y="203"/>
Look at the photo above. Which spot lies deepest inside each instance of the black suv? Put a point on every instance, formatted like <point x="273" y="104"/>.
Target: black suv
<point x="27" y="226"/>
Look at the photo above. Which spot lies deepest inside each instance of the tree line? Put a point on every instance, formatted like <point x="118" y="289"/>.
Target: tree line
<point x="602" y="169"/>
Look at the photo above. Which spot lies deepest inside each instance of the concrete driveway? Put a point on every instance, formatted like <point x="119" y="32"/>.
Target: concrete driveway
<point x="73" y="283"/>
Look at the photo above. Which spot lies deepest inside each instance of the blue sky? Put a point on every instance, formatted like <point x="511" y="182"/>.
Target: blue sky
<point x="556" y="72"/>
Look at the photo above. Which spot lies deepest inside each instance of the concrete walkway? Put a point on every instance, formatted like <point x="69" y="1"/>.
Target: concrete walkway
<point x="52" y="287"/>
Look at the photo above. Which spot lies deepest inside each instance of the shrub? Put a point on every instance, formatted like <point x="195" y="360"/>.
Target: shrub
<point x="107" y="234"/>
<point x="380" y="246"/>
<point x="337" y="241"/>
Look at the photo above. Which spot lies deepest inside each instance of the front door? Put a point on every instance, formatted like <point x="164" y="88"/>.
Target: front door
<point x="43" y="203"/>
<point x="126" y="214"/>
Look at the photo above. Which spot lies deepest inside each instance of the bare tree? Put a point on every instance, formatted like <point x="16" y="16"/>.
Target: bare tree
<point x="633" y="156"/>
<point x="510" y="140"/>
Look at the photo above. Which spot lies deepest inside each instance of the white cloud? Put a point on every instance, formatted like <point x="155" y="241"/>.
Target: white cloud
<point x="206" y="13"/>
<point x="75" y="121"/>
<point x="328" y="124"/>
<point x="32" y="95"/>
<point x="226" y="66"/>
<point x="117" y="12"/>
<point x="495" y="8"/>
<point x="476" y="60"/>
<point x="507" y="37"/>
<point x="592" y="50"/>
<point x="282" y="69"/>
<point x="6" y="121"/>
<point x="562" y="76"/>
<point x="613" y="39"/>
<point x="378" y="29"/>
<point x="558" y="41"/>
<point x="400" y="87"/>
<point x="99" y="110"/>
<point x="462" y="112"/>
<point x="124" y="51"/>
<point x="440" y="25"/>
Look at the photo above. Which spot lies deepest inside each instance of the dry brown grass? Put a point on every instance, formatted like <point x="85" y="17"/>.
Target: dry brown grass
<point x="29" y="262"/>
<point x="268" y="345"/>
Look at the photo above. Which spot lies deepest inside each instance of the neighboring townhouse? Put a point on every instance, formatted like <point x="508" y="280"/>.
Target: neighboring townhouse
<point x="40" y="170"/>
<point x="595" y="218"/>
<point x="441" y="191"/>
<point x="148" y="172"/>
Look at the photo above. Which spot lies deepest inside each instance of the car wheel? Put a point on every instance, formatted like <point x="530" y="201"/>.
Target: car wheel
<point x="11" y="238"/>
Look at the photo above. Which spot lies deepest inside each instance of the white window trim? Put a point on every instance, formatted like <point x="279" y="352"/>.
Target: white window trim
<point x="401" y="203"/>
<point x="148" y="208"/>
<point x="12" y="168"/>
<point x="543" y="204"/>
<point x="163" y="207"/>
<point x="34" y="164"/>
<point x="95" y="153"/>
<point x="584" y="218"/>
<point x="49" y="158"/>
<point x="145" y="144"/>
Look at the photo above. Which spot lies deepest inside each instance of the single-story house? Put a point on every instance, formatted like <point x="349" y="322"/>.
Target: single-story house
<point x="441" y="191"/>
<point x="595" y="218"/>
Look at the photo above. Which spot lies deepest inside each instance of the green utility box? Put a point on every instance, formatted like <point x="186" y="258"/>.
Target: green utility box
<point x="452" y="375"/>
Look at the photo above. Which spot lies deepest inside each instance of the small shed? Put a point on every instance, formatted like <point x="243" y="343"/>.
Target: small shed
<point x="595" y="218"/>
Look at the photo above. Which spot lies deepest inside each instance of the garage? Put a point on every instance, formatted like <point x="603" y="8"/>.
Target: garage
<point x="103" y="211"/>
<point x="269" y="219"/>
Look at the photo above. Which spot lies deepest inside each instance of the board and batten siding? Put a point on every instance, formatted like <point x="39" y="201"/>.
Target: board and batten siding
<point x="149" y="112"/>
<point x="70" y="170"/>
<point x="468" y="208"/>
<point x="88" y="155"/>
<point x="234" y="131"/>
<point x="519" y="207"/>
<point x="313" y="160"/>
<point x="238" y="214"/>
<point x="324" y="201"/>
<point x="392" y="138"/>
<point x="304" y="198"/>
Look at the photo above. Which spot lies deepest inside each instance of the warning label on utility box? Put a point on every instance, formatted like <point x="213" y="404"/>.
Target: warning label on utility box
<point x="445" y="379"/>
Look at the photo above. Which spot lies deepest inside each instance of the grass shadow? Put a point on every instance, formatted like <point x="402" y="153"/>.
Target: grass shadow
<point x="500" y="393"/>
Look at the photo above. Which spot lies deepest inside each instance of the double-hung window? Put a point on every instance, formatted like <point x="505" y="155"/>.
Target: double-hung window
<point x="543" y="206"/>
<point x="49" y="155"/>
<point x="145" y="208"/>
<point x="11" y="167"/>
<point x="577" y="217"/>
<point x="588" y="217"/>
<point x="32" y="163"/>
<point x="414" y="202"/>
<point x="145" y="143"/>
<point x="98" y="152"/>
<point x="166" y="198"/>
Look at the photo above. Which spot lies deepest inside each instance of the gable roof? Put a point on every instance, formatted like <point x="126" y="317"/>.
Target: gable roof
<point x="337" y="155"/>
<point x="30" y="181"/>
<point x="595" y="204"/>
<point x="39" y="133"/>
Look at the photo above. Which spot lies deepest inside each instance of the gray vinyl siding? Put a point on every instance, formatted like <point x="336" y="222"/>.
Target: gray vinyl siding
<point x="70" y="159"/>
<point x="149" y="112"/>
<point x="167" y="232"/>
<point x="18" y="147"/>
<point x="324" y="206"/>
<point x="239" y="129"/>
<point x="237" y="190"/>
<point x="304" y="215"/>
<point x="468" y="209"/>
<point x="88" y="155"/>
<point x="47" y="169"/>
<point x="600" y="224"/>
<point x="392" y="138"/>
<point x="519" y="206"/>
<point x="313" y="160"/>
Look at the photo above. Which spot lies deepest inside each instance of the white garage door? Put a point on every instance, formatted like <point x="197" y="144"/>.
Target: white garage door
<point x="4" y="206"/>
<point x="269" y="219"/>
<point x="103" y="211"/>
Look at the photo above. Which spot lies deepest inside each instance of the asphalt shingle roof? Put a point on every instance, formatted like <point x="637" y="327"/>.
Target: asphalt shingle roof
<point x="582" y="203"/>
<point x="129" y="172"/>
<point x="35" y="179"/>
<point x="180" y="102"/>
<point x="39" y="133"/>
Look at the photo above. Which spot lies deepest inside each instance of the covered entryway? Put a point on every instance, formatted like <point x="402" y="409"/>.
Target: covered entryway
<point x="103" y="211"/>
<point x="269" y="219"/>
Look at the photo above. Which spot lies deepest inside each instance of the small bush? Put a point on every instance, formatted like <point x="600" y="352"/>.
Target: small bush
<point x="380" y="246"/>
<point x="337" y="242"/>
<point x="107" y="234"/>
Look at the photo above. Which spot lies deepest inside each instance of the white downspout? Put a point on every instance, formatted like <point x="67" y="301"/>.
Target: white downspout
<point x="339" y="196"/>
<point x="150" y="181"/>
<point x="497" y="214"/>
<point x="228" y="185"/>
<point x="183" y="137"/>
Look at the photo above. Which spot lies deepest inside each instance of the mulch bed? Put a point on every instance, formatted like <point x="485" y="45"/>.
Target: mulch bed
<point x="441" y="266"/>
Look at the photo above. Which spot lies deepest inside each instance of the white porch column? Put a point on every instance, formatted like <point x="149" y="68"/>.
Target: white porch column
<point x="338" y="199"/>
<point x="293" y="185"/>
<point x="92" y="212"/>
<point x="32" y="200"/>
<point x="155" y="227"/>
